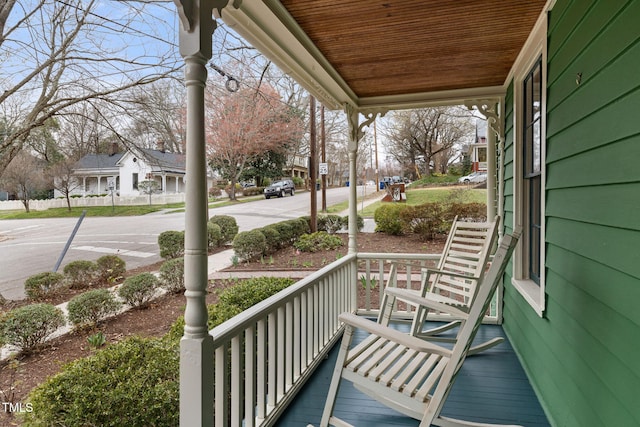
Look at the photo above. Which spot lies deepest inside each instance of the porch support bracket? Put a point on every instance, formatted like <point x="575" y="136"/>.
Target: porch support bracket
<point x="356" y="132"/>
<point x="491" y="110"/>
<point x="196" y="346"/>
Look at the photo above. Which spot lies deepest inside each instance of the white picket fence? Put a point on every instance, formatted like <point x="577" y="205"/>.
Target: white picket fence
<point x="41" y="205"/>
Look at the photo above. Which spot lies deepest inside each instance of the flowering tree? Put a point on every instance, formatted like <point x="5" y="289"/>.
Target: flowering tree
<point x="244" y="126"/>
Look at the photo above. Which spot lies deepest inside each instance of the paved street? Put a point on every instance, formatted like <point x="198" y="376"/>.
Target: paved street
<point x="32" y="246"/>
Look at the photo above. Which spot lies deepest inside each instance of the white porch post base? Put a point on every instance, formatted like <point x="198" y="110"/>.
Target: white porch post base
<point x="196" y="376"/>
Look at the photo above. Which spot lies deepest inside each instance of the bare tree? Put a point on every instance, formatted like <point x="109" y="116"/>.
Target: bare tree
<point x="62" y="53"/>
<point x="24" y="177"/>
<point x="415" y="137"/>
<point x="159" y="116"/>
<point x="61" y="174"/>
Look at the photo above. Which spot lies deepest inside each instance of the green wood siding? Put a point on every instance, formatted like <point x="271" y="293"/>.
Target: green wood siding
<point x="583" y="357"/>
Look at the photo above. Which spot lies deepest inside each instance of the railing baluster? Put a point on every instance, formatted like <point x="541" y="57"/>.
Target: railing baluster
<point x="271" y="362"/>
<point x="297" y="344"/>
<point x="250" y="376"/>
<point x="221" y="410"/>
<point x="288" y="346"/>
<point x="280" y="356"/>
<point x="237" y="394"/>
<point x="261" y="362"/>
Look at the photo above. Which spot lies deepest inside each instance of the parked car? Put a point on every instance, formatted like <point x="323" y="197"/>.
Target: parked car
<point x="474" y="177"/>
<point x="280" y="188"/>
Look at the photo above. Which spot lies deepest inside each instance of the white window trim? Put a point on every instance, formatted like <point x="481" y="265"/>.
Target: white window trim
<point x="535" y="48"/>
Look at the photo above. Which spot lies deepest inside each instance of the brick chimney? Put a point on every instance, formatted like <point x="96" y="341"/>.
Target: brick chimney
<point x="160" y="145"/>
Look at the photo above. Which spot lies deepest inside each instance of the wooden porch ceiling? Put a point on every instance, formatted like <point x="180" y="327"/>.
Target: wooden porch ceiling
<point x="395" y="52"/>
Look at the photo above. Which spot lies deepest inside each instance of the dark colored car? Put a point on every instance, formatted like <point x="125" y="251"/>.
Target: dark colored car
<point x="279" y="189"/>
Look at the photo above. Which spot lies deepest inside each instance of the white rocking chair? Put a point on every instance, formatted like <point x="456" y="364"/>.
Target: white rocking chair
<point x="453" y="282"/>
<point x="407" y="373"/>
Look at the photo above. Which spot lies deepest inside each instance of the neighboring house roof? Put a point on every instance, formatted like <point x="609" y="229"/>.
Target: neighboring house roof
<point x="158" y="160"/>
<point x="102" y="162"/>
<point x="163" y="161"/>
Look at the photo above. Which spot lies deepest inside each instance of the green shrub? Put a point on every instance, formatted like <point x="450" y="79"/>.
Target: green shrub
<point x="134" y="382"/>
<point x="171" y="244"/>
<point x="330" y="223"/>
<point x="471" y="212"/>
<point x="359" y="222"/>
<point x="138" y="290"/>
<point x="234" y="300"/>
<point x="387" y="218"/>
<point x="215" y="192"/>
<point x="272" y="239"/>
<point x="318" y="241"/>
<point x="249" y="245"/>
<point x="299" y="226"/>
<point x="29" y="326"/>
<point x="214" y="235"/>
<point x="252" y="191"/>
<point x="80" y="274"/>
<point x="172" y="275"/>
<point x="91" y="307"/>
<point x="287" y="233"/>
<point x="228" y="227"/>
<point x="110" y="268"/>
<point x="426" y="220"/>
<point x="42" y="284"/>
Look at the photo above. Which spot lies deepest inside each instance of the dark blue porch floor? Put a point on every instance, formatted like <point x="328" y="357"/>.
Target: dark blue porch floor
<point x="491" y="387"/>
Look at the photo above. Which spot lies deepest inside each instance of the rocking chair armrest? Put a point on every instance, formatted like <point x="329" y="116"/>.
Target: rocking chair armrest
<point x="391" y="334"/>
<point x="432" y="271"/>
<point x="429" y="301"/>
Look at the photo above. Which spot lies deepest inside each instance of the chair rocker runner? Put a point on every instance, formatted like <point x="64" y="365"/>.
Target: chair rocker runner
<point x="453" y="282"/>
<point x="406" y="373"/>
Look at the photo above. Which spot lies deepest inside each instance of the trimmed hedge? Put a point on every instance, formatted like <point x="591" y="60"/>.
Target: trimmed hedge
<point x="228" y="227"/>
<point x="80" y="274"/>
<point x="428" y="219"/>
<point x="235" y="300"/>
<point x="134" y="382"/>
<point x="137" y="291"/>
<point x="171" y="244"/>
<point x="387" y="218"/>
<point x="92" y="306"/>
<point x="214" y="235"/>
<point x="111" y="268"/>
<point x="249" y="245"/>
<point x="42" y="284"/>
<point x="172" y="275"/>
<point x="319" y="241"/>
<point x="29" y="326"/>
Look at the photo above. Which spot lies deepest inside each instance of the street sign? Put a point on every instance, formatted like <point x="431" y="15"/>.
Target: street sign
<point x="324" y="168"/>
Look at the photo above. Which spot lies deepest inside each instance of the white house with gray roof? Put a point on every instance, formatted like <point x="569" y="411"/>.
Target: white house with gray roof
<point x="123" y="172"/>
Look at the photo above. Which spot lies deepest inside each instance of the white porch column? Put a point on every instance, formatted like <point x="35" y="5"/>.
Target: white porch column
<point x="491" y="174"/>
<point x="84" y="186"/>
<point x="164" y="184"/>
<point x="489" y="108"/>
<point x="99" y="179"/>
<point x="196" y="346"/>
<point x="355" y="135"/>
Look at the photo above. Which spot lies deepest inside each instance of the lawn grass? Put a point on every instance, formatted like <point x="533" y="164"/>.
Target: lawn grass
<point x="77" y="211"/>
<point x="420" y="196"/>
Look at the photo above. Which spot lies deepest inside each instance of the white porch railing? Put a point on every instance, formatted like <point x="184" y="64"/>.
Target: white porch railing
<point x="265" y="354"/>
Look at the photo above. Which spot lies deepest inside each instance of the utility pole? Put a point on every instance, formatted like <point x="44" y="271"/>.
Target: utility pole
<point x="375" y="143"/>
<point x="313" y="161"/>
<point x="323" y="142"/>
